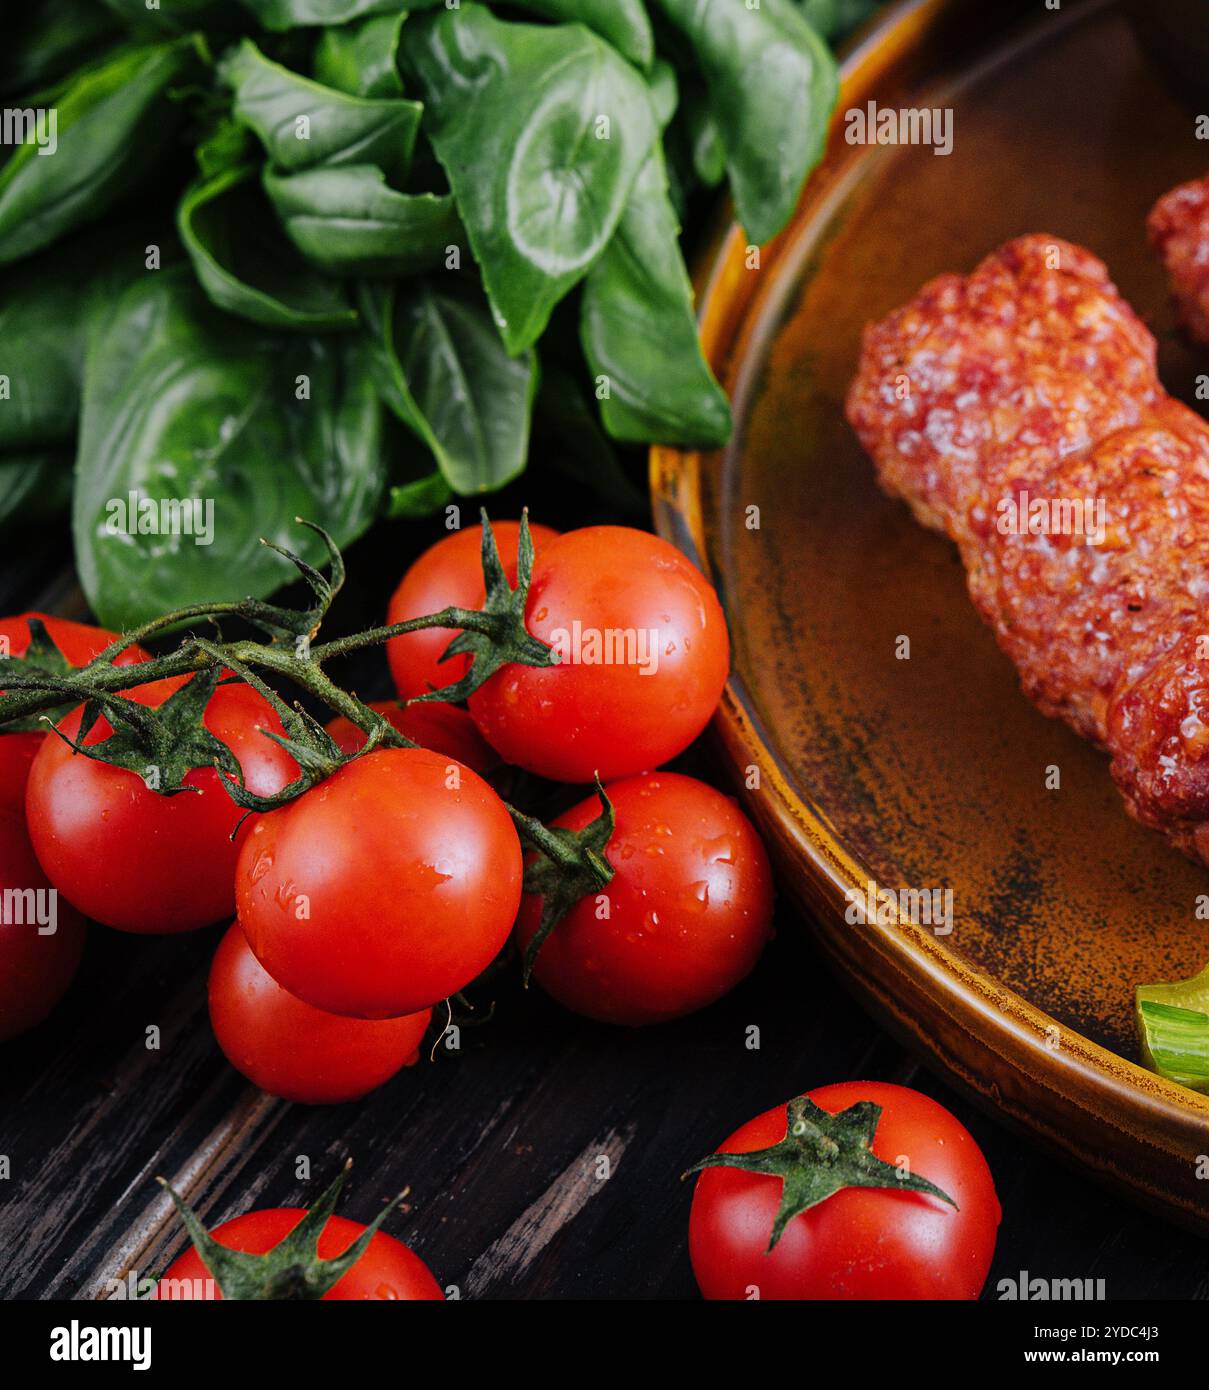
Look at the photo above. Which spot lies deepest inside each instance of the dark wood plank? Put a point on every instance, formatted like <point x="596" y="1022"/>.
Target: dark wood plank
<point x="499" y="1146"/>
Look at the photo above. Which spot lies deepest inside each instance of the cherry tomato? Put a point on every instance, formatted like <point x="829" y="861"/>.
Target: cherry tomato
<point x="77" y="644"/>
<point x="860" y="1242"/>
<point x="448" y="574"/>
<point x="689" y="908"/>
<point x="292" y="1050"/>
<point x="36" y="963"/>
<point x="443" y="728"/>
<point x="139" y="861"/>
<point x="384" y="889"/>
<point x="645" y="655"/>
<point x="387" y="1270"/>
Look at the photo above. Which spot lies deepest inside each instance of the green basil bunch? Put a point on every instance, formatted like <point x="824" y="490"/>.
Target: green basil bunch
<point x="319" y="214"/>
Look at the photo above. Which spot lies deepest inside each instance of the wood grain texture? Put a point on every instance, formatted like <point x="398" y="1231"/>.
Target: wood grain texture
<point x="499" y="1147"/>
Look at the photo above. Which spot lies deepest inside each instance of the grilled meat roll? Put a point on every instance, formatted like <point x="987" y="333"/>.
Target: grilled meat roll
<point x="1025" y="394"/>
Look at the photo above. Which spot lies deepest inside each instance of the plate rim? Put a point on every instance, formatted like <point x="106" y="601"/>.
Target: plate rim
<point x="1121" y="1100"/>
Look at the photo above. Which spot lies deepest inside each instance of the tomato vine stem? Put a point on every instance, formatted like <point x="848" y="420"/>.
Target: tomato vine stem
<point x="172" y="732"/>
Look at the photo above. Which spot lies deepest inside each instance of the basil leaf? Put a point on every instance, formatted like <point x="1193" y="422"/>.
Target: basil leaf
<point x="48" y="310"/>
<point x="772" y="84"/>
<point x="834" y="18"/>
<point x="541" y="131"/>
<point x="34" y="487"/>
<point x="49" y="39"/>
<point x="703" y="139"/>
<point x="665" y="92"/>
<point x="224" y="144"/>
<point x="639" y="332"/>
<point x="112" y="123"/>
<point x="420" y="498"/>
<point x="349" y="221"/>
<point x="442" y="369"/>
<point x="362" y="59"/>
<point x="178" y="16"/>
<point x="181" y="402"/>
<point x="302" y="123"/>
<point x="623" y="23"/>
<point x="40" y="360"/>
<point x="678" y="165"/>
<point x="280" y="15"/>
<point x="246" y="265"/>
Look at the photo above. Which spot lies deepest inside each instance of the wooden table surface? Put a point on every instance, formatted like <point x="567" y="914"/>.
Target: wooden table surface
<point x="500" y="1145"/>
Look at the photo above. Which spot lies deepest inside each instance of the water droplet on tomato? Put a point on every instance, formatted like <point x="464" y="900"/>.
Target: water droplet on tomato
<point x="697" y="899"/>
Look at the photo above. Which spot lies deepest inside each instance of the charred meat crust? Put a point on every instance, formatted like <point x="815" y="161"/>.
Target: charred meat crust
<point x="1032" y="378"/>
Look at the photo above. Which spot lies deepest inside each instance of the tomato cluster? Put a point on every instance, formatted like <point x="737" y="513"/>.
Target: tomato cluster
<point x="644" y="655"/>
<point x="395" y="881"/>
<point x="399" y="876"/>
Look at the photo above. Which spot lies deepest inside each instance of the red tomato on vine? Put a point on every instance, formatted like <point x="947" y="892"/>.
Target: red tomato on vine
<point x="384" y="889"/>
<point x="644" y="657"/>
<point x="449" y="574"/>
<point x="41" y="936"/>
<point x="133" y="858"/>
<point x="685" y="918"/>
<point x="74" y="645"/>
<point x="290" y="1253"/>
<point x="859" y="1190"/>
<point x="432" y="724"/>
<point x="292" y="1050"/>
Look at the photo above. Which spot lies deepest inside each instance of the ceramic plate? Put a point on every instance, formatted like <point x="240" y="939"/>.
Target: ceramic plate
<point x="929" y="772"/>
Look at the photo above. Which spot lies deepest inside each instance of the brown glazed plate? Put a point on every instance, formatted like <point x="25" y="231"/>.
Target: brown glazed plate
<point x="930" y="772"/>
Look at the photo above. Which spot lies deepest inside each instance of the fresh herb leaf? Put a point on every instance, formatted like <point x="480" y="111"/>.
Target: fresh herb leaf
<point x="280" y="15"/>
<point x="49" y="307"/>
<point x="703" y="138"/>
<point x="665" y="92"/>
<point x="247" y="266"/>
<point x="362" y="59"/>
<point x="181" y="402"/>
<point x="541" y="131"/>
<point x="177" y="16"/>
<point x="112" y="122"/>
<point x="639" y="332"/>
<point x="349" y="221"/>
<point x="302" y="123"/>
<point x="442" y="369"/>
<point x="834" y="18"/>
<point x="772" y="83"/>
<point x="49" y="39"/>
<point x="419" y="498"/>
<point x="623" y="23"/>
<point x="34" y="487"/>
